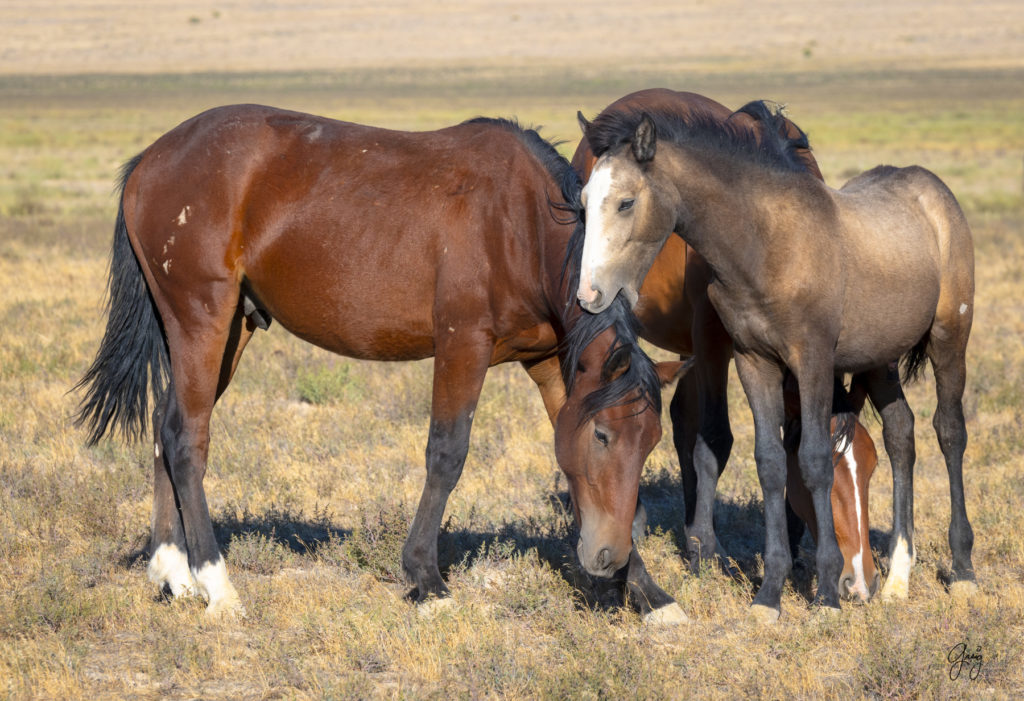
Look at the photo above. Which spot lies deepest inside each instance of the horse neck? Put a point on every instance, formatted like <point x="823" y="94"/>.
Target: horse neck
<point x="722" y="209"/>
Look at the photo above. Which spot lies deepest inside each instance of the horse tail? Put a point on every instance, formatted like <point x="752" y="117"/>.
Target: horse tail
<point x="913" y="361"/>
<point x="133" y="352"/>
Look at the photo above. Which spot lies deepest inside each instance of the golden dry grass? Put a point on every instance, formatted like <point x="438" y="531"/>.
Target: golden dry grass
<point x="317" y="461"/>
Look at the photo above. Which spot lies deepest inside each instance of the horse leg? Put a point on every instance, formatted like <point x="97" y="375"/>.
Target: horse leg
<point x="816" y="468"/>
<point x="950" y="376"/>
<point x="547" y="374"/>
<point x="202" y="363"/>
<point x="168" y="563"/>
<point x="168" y="558"/>
<point x="168" y="554"/>
<point x="796" y="529"/>
<point x="762" y="382"/>
<point x="710" y="452"/>
<point x="886" y="393"/>
<point x="460" y="365"/>
<point x="651" y="601"/>
<point x="683" y="412"/>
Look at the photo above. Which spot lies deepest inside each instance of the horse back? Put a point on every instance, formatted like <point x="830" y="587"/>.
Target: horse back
<point x="908" y="256"/>
<point x="358" y="239"/>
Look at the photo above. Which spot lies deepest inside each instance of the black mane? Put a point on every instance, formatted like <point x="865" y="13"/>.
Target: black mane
<point x="641" y="376"/>
<point x="543" y="150"/>
<point x="772" y="148"/>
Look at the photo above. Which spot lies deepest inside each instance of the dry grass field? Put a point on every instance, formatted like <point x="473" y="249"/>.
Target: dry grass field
<point x="316" y="461"/>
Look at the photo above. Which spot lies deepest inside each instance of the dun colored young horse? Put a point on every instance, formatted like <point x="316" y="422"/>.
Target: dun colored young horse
<point x="676" y="314"/>
<point x="805" y="278"/>
<point x="375" y="244"/>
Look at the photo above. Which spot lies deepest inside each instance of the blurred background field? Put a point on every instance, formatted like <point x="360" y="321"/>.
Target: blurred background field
<point x="317" y="461"/>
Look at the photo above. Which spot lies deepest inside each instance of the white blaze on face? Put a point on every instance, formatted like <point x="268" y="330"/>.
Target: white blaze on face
<point x="169" y="566"/>
<point x="860" y="584"/>
<point x="595" y="243"/>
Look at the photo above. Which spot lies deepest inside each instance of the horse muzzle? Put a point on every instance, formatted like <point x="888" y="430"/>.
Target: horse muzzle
<point x="604" y="562"/>
<point x="852" y="589"/>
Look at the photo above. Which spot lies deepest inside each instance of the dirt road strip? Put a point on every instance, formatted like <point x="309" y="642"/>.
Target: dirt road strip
<point x="95" y="36"/>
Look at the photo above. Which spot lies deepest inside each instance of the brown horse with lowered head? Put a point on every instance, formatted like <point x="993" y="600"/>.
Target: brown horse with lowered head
<point x="676" y="315"/>
<point x="806" y="279"/>
<point x="374" y="244"/>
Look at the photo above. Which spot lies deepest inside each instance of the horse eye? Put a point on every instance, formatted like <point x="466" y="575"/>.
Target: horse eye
<point x="626" y="204"/>
<point x="601" y="437"/>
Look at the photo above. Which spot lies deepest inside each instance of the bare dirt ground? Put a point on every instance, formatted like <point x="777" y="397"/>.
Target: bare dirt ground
<point x="99" y="36"/>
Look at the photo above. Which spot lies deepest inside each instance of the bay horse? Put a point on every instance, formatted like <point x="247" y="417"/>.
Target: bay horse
<point x="806" y="279"/>
<point x="374" y="244"/>
<point x="676" y="315"/>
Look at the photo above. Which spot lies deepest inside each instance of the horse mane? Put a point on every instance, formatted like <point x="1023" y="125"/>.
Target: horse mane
<point x="770" y="147"/>
<point x="641" y="375"/>
<point x="543" y="150"/>
<point x="585" y="327"/>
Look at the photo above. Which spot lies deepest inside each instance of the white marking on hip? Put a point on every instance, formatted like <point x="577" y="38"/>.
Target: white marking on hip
<point x="186" y="212"/>
<point x="963" y="308"/>
<point x="167" y="267"/>
<point x="156" y="449"/>
<point x="169" y="566"/>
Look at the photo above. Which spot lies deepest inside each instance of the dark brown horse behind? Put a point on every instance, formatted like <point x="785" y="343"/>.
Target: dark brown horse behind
<point x="374" y="244"/>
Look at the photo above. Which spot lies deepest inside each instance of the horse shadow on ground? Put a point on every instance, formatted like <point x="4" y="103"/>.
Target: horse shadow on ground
<point x="739" y="524"/>
<point x="266" y="542"/>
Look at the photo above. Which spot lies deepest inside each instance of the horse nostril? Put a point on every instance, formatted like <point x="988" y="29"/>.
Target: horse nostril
<point x="845" y="584"/>
<point x="604" y="558"/>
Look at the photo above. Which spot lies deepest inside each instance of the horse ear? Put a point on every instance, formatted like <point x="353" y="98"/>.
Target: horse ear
<point x="584" y="124"/>
<point x="644" y="139"/>
<point x="617" y="364"/>
<point x="671" y="370"/>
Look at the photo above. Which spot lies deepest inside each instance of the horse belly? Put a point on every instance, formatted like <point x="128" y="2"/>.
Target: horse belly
<point x="347" y="297"/>
<point x="881" y="329"/>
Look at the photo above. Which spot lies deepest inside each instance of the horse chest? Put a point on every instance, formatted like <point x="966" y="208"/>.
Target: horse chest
<point x="748" y="322"/>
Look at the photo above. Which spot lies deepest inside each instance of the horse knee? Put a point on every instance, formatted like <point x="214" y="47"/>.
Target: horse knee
<point x="816" y="467"/>
<point x="446" y="455"/>
<point x="951" y="430"/>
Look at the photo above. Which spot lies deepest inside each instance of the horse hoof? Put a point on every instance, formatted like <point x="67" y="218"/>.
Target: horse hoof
<point x="963" y="589"/>
<point x="168" y="569"/>
<point x="895" y="589"/>
<point x="229" y="607"/>
<point x="433" y="606"/>
<point x="668" y="615"/>
<point x="763" y="615"/>
<point x="826" y="613"/>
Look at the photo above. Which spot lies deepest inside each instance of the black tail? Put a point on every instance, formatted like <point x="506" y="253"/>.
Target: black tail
<point x="913" y="361"/>
<point x="133" y="352"/>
